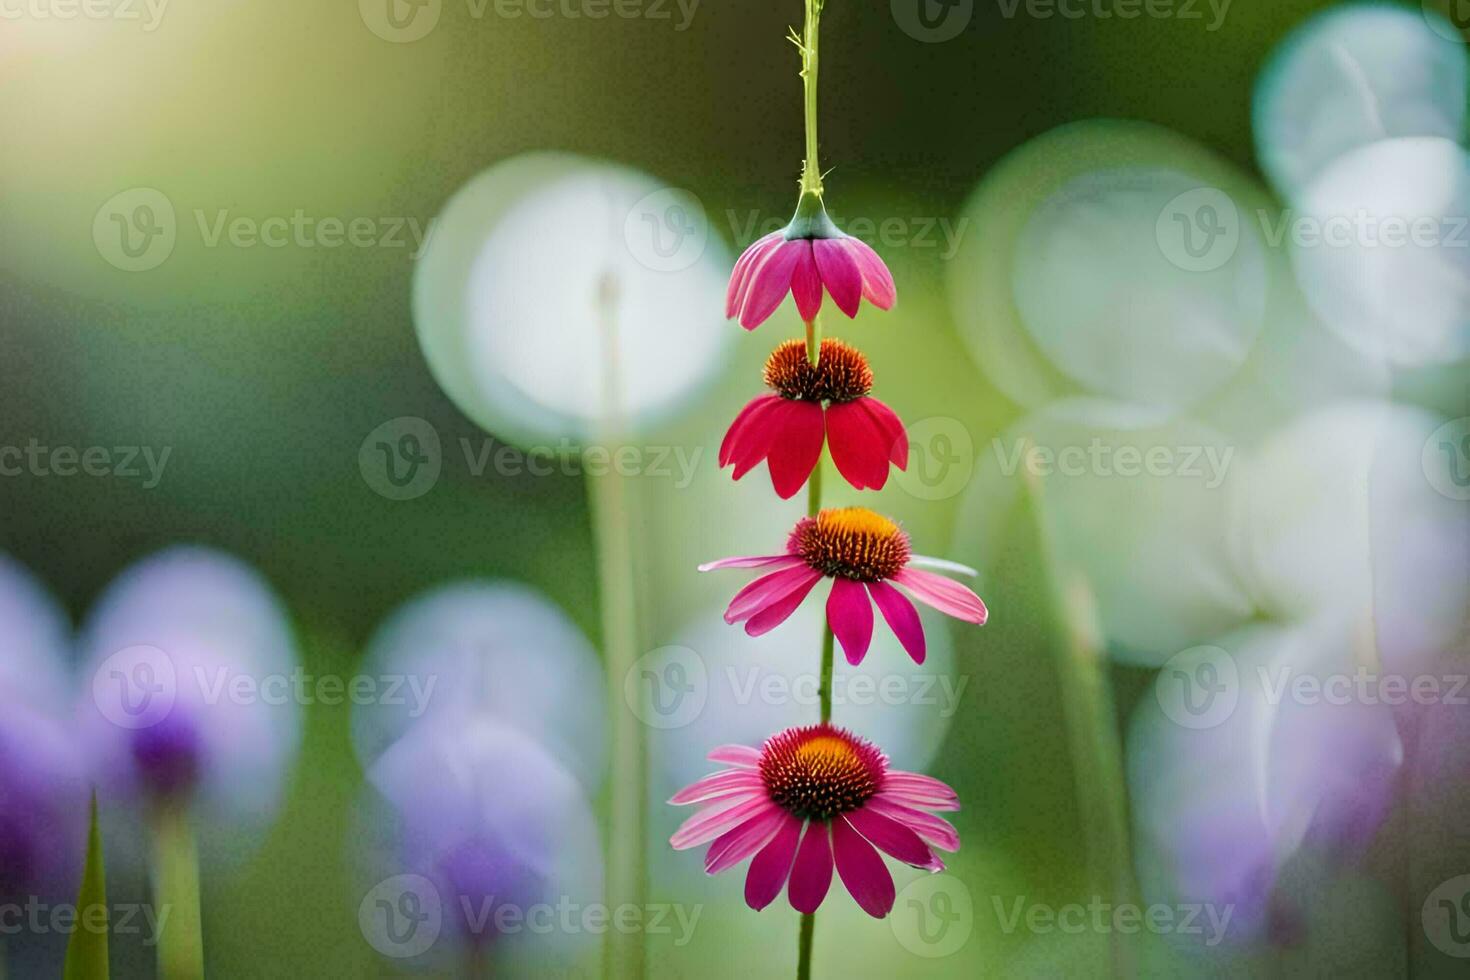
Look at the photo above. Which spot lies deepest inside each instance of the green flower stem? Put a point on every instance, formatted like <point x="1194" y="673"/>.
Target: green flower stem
<point x="814" y="341"/>
<point x="608" y="498"/>
<point x="176" y="889"/>
<point x="804" y="955"/>
<point x="811" y="173"/>
<point x="1096" y="748"/>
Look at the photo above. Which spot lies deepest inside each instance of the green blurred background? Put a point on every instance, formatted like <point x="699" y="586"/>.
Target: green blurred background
<point x="264" y="369"/>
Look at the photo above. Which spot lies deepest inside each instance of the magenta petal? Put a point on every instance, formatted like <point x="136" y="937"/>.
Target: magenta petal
<point x="758" y="433"/>
<point x="726" y="783"/>
<point x="797" y="447"/>
<point x="772" y="866"/>
<point x="806" y="285"/>
<point x="740" y="277"/>
<point x="741" y="430"/>
<point x="935" y="831"/>
<point x="770" y="281"/>
<point x="862" y="870"/>
<point x="850" y="615"/>
<point x="878" y="286"/>
<point x="918" y="786"/>
<point x="713" y="821"/>
<point x="889" y="421"/>
<point x="765" y="591"/>
<point x="860" y="448"/>
<point x="748" y="561"/>
<point x="737" y="844"/>
<point x="840" y="274"/>
<point x="811" y="875"/>
<point x="901" y="617"/>
<point x="893" y="838"/>
<point x="779" y="611"/>
<point x="736" y="755"/>
<point x="947" y="596"/>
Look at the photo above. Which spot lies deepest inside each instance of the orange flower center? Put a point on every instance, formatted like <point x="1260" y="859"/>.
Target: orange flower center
<point x="842" y="375"/>
<point x="818" y="772"/>
<point x="851" y="542"/>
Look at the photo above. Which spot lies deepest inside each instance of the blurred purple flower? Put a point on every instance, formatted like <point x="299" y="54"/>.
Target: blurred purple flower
<point x="494" y="826"/>
<point x="43" y="790"/>
<point x="186" y="692"/>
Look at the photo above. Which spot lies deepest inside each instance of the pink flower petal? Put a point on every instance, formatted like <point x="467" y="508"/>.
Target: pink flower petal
<point x="772" y="866"/>
<point x="741" y="842"/>
<point x="758" y="434"/>
<point x="878" y="286"/>
<point x="766" y="590"/>
<point x="742" y="430"/>
<point x="861" y="449"/>
<point x="811" y="875"/>
<point x="901" y="617"/>
<point x="850" y="614"/>
<point x="947" y="596"/>
<point x="935" y="831"/>
<point x="806" y="285"/>
<point x="893" y="425"/>
<point x="710" y="823"/>
<point x="862" y="870"/>
<point x="736" y="755"/>
<point x="916" y="800"/>
<point x="740" y="277"/>
<point x="840" y="274"/>
<point x="770" y="281"/>
<point x="726" y="783"/>
<point x="749" y="561"/>
<point x="797" y="449"/>
<point x="779" y="611"/>
<point x="918" y="785"/>
<point x="894" y="839"/>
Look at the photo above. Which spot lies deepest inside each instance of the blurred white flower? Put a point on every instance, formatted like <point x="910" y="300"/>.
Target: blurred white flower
<point x="1336" y="514"/>
<point x="1350" y="77"/>
<point x="488" y="650"/>
<point x="1111" y="258"/>
<point x="187" y="688"/>
<point x="1381" y="247"/>
<point x="1138" y="505"/>
<point x="555" y="288"/>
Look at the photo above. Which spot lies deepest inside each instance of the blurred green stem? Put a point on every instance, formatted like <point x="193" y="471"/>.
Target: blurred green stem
<point x="612" y="527"/>
<point x="1092" y="728"/>
<point x="176" y="890"/>
<point x="804" y="954"/>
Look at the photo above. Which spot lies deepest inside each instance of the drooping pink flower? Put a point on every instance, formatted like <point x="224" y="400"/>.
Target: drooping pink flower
<point x="805" y="258"/>
<point x="809" y="799"/>
<point x="862" y="552"/>
<point x="811" y="406"/>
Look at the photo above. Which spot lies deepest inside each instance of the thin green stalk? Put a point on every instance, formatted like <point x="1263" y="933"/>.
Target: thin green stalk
<point x="824" y="692"/>
<point x="1096" y="748"/>
<point x="804" y="953"/>
<point x="627" y="871"/>
<point x="814" y="341"/>
<point x="176" y="890"/>
<point x="811" y="173"/>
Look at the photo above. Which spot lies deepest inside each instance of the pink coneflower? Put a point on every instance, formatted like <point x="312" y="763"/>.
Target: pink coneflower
<point x="809" y="798"/>
<point x="862" y="552"/>
<point x="805" y="257"/>
<point x="787" y="429"/>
